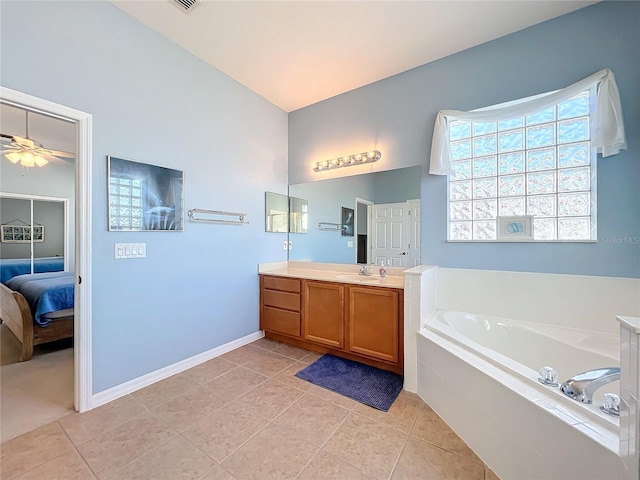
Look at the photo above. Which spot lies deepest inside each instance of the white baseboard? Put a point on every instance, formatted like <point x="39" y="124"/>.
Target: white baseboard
<point x="126" y="388"/>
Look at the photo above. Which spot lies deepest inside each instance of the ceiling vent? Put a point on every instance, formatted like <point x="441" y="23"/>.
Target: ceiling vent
<point x="186" y="5"/>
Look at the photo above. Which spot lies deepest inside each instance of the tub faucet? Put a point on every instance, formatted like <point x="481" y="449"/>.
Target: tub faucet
<point x="581" y="387"/>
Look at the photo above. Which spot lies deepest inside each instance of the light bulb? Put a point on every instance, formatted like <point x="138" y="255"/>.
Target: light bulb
<point x="13" y="157"/>
<point x="41" y="162"/>
<point x="27" y="160"/>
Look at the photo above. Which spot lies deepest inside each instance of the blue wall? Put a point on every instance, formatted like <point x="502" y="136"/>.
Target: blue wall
<point x="396" y="116"/>
<point x="153" y="102"/>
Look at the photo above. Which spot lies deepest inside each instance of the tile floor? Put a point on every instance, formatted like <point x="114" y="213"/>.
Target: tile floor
<point x="244" y="415"/>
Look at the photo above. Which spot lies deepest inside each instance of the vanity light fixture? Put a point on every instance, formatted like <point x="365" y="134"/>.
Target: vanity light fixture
<point x="348" y="160"/>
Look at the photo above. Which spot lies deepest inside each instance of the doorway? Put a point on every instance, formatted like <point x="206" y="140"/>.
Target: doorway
<point x="362" y="222"/>
<point x="82" y="383"/>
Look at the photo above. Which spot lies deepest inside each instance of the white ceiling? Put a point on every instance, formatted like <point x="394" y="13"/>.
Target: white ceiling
<point x="52" y="133"/>
<point x="296" y="53"/>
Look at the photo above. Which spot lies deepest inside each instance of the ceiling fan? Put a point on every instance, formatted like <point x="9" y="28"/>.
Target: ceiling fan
<point x="28" y="152"/>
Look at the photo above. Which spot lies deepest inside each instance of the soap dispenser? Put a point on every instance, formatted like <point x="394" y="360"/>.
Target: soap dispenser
<point x="383" y="271"/>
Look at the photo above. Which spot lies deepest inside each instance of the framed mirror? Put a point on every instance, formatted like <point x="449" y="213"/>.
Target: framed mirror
<point x="144" y="197"/>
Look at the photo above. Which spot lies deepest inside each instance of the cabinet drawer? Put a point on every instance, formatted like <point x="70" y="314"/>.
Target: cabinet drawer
<point x="281" y="321"/>
<point x="282" y="283"/>
<point x="286" y="300"/>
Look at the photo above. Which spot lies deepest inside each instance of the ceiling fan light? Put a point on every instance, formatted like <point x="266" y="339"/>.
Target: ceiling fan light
<point x="13" y="157"/>
<point x="41" y="162"/>
<point x="28" y="162"/>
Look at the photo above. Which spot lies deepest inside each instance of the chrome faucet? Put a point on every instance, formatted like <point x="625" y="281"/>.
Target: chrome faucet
<point x="365" y="270"/>
<point x="581" y="387"/>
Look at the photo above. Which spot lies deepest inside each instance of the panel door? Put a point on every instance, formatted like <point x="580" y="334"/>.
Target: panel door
<point x="373" y="321"/>
<point x="391" y="234"/>
<point x="323" y="316"/>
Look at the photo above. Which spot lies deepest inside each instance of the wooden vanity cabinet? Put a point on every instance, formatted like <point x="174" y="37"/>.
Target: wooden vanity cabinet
<point x="359" y="322"/>
<point x="374" y="323"/>
<point x="323" y="315"/>
<point x="280" y="305"/>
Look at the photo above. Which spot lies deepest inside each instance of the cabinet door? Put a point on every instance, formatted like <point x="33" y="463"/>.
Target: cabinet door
<point x="374" y="322"/>
<point x="323" y="315"/>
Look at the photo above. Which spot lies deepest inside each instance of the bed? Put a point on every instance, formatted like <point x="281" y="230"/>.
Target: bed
<point x="38" y="308"/>
<point x="10" y="267"/>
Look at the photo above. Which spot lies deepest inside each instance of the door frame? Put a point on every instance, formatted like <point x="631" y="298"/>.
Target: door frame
<point x="369" y="204"/>
<point x="82" y="354"/>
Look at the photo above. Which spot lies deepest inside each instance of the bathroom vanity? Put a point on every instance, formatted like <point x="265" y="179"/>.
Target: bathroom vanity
<point x="345" y="314"/>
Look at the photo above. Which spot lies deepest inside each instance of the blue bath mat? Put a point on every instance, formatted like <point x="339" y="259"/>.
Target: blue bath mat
<point x="369" y="385"/>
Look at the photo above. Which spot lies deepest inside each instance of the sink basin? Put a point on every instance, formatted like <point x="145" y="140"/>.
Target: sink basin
<point x="359" y="278"/>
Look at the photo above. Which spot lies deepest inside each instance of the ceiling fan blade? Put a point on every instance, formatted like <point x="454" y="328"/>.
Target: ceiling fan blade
<point x="25" y="142"/>
<point x="59" y="153"/>
<point x="10" y="148"/>
<point x="55" y="160"/>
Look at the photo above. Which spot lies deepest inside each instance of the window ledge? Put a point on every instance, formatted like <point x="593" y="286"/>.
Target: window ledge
<point x="522" y="241"/>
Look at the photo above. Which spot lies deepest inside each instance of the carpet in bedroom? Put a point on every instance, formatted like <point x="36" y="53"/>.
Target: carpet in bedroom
<point x="36" y="392"/>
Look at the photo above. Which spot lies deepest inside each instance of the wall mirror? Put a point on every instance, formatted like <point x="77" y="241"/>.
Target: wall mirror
<point x="34" y="234"/>
<point x="276" y="212"/>
<point x="386" y="207"/>
<point x="298" y="215"/>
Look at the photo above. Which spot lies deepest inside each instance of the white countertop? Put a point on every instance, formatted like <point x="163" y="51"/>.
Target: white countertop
<point x="334" y="272"/>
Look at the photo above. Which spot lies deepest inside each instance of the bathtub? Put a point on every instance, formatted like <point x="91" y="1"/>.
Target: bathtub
<point x="479" y="373"/>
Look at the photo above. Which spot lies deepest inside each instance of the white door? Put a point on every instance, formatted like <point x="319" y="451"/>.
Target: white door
<point x="414" y="233"/>
<point x="391" y="234"/>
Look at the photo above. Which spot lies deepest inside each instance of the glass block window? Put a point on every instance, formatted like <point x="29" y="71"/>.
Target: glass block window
<point x="538" y="164"/>
<point x="125" y="202"/>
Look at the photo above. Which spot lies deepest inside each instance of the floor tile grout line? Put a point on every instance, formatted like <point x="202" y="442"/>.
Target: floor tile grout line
<point x="176" y="432"/>
<point x="47" y="461"/>
<point x="108" y="429"/>
<point x="308" y="462"/>
<point x="358" y="468"/>
<point x="244" y="443"/>
<point x="457" y="454"/>
<point x="395" y="464"/>
<point x="142" y="456"/>
<point x="77" y="450"/>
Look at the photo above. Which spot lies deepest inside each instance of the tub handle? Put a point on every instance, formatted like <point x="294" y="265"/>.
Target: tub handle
<point x="548" y="376"/>
<point x="611" y="404"/>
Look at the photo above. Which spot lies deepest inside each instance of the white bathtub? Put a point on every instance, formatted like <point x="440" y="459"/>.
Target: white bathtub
<point x="480" y="375"/>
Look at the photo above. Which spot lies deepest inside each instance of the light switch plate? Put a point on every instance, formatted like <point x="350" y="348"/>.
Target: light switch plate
<point x="130" y="250"/>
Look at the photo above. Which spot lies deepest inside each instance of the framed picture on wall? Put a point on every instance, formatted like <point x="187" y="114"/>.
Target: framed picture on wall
<point x="518" y="228"/>
<point x="347" y="222"/>
<point x="144" y="197"/>
<point x="21" y="233"/>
